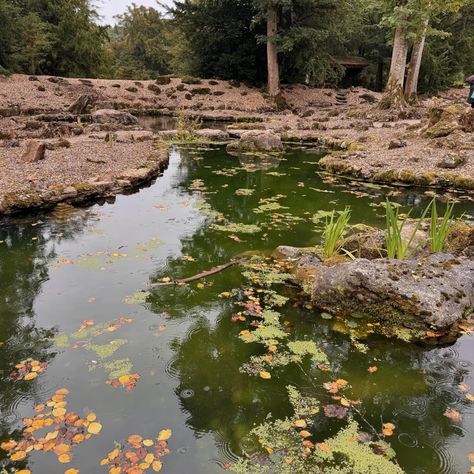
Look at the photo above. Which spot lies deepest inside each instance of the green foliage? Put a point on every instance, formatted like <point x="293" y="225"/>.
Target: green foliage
<point x="51" y="37"/>
<point x="333" y="232"/>
<point x="440" y="230"/>
<point x="139" y="48"/>
<point x="399" y="246"/>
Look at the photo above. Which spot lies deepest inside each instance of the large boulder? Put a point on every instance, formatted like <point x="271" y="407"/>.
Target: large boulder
<point x="423" y="298"/>
<point x="113" y="116"/>
<point x="257" y="141"/>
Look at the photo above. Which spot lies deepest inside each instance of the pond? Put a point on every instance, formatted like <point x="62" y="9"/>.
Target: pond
<point x="85" y="268"/>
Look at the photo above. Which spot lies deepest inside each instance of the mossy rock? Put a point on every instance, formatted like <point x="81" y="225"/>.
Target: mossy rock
<point x="201" y="91"/>
<point x="163" y="80"/>
<point x="190" y="80"/>
<point x="154" y="88"/>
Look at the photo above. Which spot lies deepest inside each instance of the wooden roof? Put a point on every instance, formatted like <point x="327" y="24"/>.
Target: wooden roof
<point x="352" y="62"/>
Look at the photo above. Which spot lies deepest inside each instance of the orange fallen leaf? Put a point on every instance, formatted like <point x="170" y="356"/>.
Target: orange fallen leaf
<point x="305" y="434"/>
<point x="323" y="447"/>
<point x="61" y="449"/>
<point x="299" y="423"/>
<point x="91" y="416"/>
<point x="64" y="458"/>
<point x="73" y="470"/>
<point x="372" y="370"/>
<point x="135" y="440"/>
<point x="24" y="471"/>
<point x="18" y="456"/>
<point x="265" y="375"/>
<point x="453" y="415"/>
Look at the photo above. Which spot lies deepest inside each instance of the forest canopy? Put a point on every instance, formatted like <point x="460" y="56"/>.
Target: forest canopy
<point x="228" y="39"/>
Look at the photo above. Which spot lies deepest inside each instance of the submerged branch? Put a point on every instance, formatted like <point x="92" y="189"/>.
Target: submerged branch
<point x="201" y="275"/>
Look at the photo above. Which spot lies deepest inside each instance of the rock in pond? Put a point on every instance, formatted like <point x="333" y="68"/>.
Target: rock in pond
<point x="113" y="116"/>
<point x="257" y="141"/>
<point x="422" y="298"/>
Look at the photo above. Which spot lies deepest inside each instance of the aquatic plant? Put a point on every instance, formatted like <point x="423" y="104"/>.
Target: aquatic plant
<point x="440" y="230"/>
<point x="398" y="246"/>
<point x="287" y="448"/>
<point x="333" y="232"/>
<point x="186" y="128"/>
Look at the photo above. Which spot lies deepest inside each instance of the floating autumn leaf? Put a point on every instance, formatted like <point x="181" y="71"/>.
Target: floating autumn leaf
<point x="334" y="387"/>
<point x="69" y="430"/>
<point x="265" y="375"/>
<point x="94" y="428"/>
<point x="470" y="397"/>
<point x="28" y="370"/>
<point x="470" y="456"/>
<point x="305" y="434"/>
<point x="164" y="435"/>
<point x="299" y="423"/>
<point x="128" y="382"/>
<point x="323" y="447"/>
<point x="388" y="429"/>
<point x="345" y="402"/>
<point x="372" y="370"/>
<point x="453" y="415"/>
<point x="463" y="387"/>
<point x="72" y="471"/>
<point x="133" y="457"/>
<point x="335" y="411"/>
<point x="200" y="286"/>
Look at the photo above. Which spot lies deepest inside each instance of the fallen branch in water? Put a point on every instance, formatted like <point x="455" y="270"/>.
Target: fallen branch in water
<point x="199" y="276"/>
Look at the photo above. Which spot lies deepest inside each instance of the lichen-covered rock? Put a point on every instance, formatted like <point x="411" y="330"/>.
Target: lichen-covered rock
<point x="257" y="141"/>
<point x="113" y="116"/>
<point x="443" y="122"/>
<point x="427" y="296"/>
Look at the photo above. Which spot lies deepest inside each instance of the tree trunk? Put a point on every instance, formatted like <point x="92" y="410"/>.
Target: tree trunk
<point x="272" y="53"/>
<point x="411" y="87"/>
<point x="393" y="96"/>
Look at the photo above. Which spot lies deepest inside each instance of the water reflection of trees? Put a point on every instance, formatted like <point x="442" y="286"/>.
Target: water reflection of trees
<point x="27" y="250"/>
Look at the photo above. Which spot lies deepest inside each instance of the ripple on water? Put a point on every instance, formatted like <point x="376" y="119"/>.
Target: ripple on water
<point x="187" y="393"/>
<point x="226" y="455"/>
<point x="444" y="459"/>
<point x="171" y="369"/>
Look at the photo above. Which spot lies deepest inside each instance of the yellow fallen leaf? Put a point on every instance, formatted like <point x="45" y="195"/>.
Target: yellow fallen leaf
<point x="91" y="416"/>
<point x="470" y="397"/>
<point x="164" y="435"/>
<point x="305" y="434"/>
<point x="157" y="466"/>
<point x="148" y="442"/>
<point x="31" y="376"/>
<point x="200" y="286"/>
<point x="73" y="470"/>
<point x="345" y="402"/>
<point x="94" y="428"/>
<point x="265" y="375"/>
<point x="24" y="471"/>
<point x="59" y="412"/>
<point x="124" y="379"/>
<point x="149" y="458"/>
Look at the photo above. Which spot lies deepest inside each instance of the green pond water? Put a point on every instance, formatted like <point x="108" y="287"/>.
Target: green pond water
<point x="60" y="269"/>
